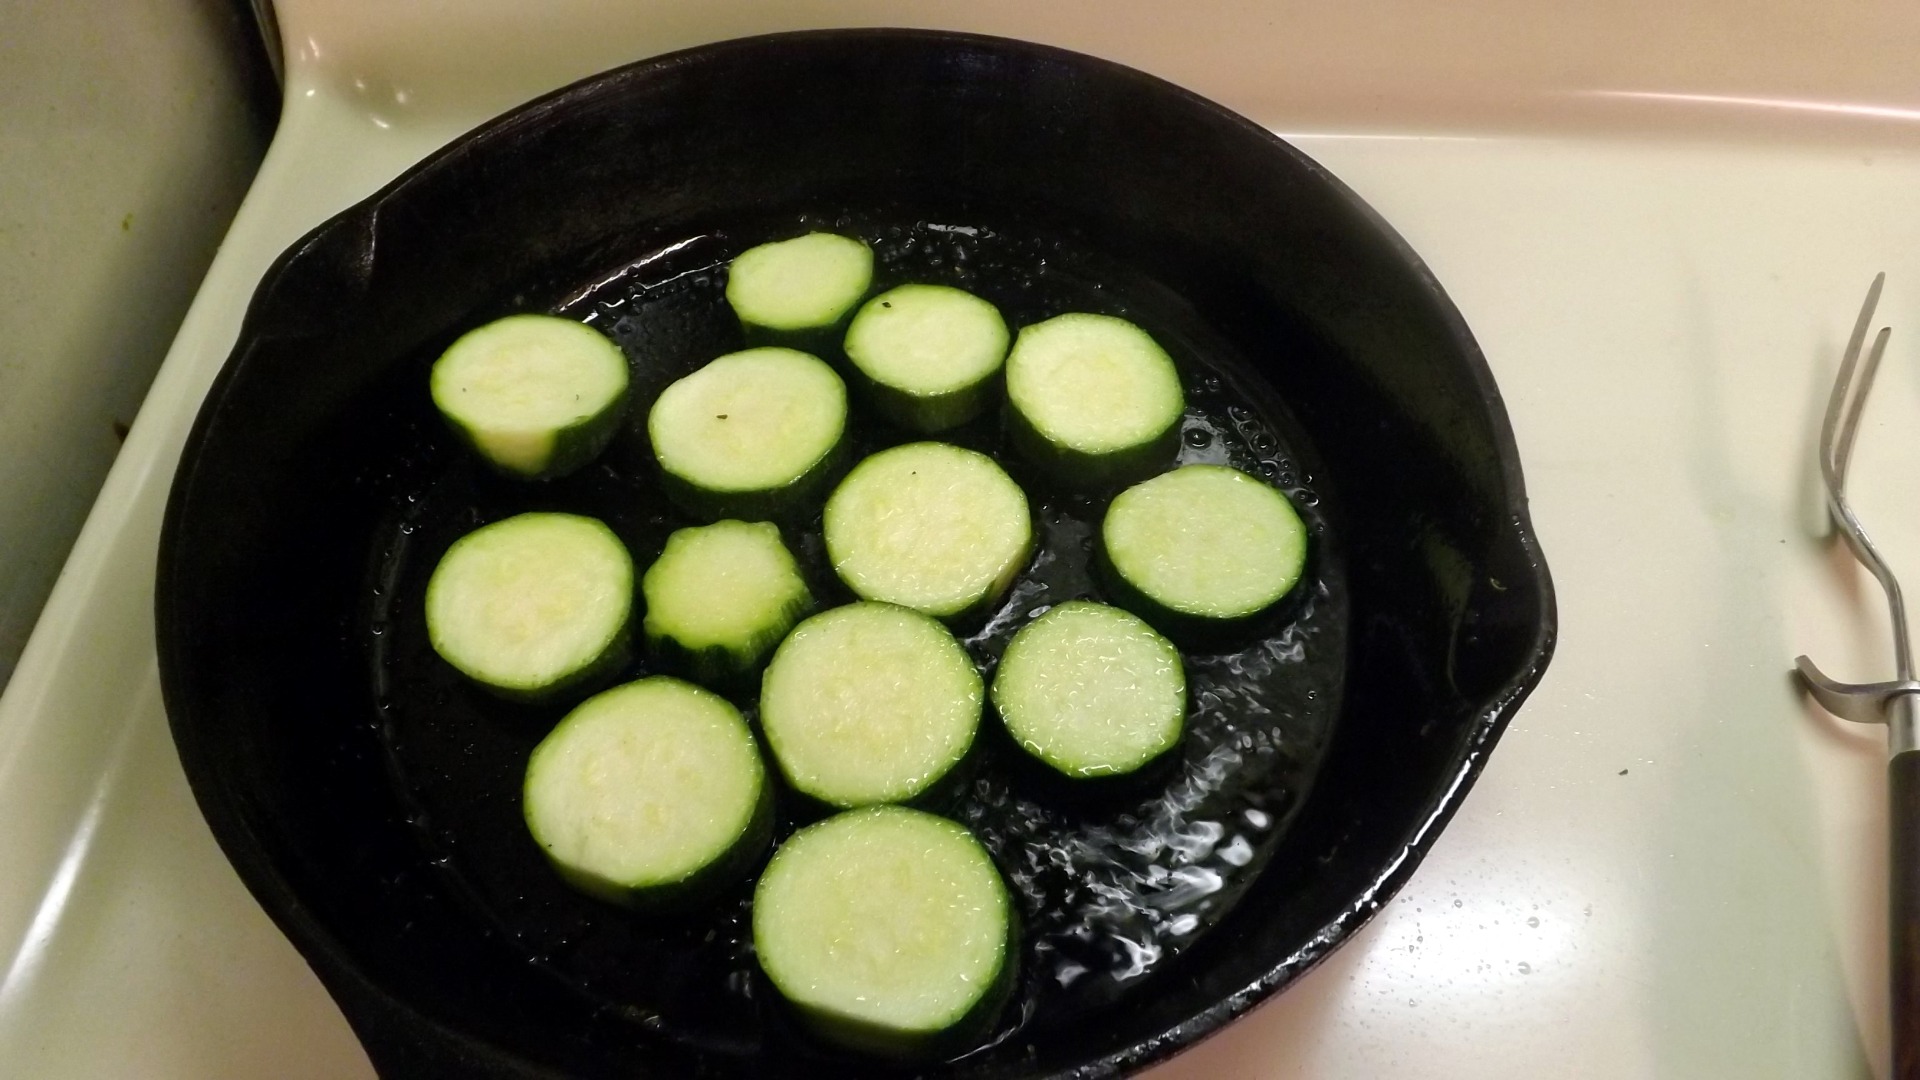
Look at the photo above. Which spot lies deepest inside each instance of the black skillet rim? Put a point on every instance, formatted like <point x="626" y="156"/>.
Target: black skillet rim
<point x="228" y="820"/>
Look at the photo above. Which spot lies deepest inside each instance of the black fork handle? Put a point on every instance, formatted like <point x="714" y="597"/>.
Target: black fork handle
<point x="1903" y="872"/>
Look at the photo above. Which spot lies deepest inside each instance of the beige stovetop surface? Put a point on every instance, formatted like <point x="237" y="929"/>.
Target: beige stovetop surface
<point x="1658" y="222"/>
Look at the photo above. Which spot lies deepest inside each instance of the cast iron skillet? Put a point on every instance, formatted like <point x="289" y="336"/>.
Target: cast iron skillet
<point x="369" y="799"/>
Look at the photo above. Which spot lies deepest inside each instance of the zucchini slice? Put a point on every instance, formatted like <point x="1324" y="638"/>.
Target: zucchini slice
<point x="650" y="795"/>
<point x="721" y="596"/>
<point x="807" y="283"/>
<point x="533" y="605"/>
<point x="928" y="355"/>
<point x="751" y="435"/>
<point x="929" y="526"/>
<point x="869" y="703"/>
<point x="536" y="396"/>
<point x="1094" y="400"/>
<point x="889" y="930"/>
<point x="1091" y="691"/>
<point x="1201" y="546"/>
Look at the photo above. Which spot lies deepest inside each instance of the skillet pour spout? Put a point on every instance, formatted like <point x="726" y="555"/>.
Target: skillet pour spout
<point x="356" y="789"/>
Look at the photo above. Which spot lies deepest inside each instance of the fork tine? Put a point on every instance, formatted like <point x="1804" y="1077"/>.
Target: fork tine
<point x="1863" y="378"/>
<point x="1836" y="437"/>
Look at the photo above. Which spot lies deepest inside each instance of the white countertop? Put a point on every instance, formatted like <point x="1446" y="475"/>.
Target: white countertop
<point x="1672" y="866"/>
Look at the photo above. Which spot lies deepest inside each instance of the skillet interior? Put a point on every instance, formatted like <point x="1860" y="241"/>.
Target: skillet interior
<point x="316" y="487"/>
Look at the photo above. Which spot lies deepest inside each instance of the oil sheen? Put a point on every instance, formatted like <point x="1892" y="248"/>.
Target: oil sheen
<point x="1109" y="893"/>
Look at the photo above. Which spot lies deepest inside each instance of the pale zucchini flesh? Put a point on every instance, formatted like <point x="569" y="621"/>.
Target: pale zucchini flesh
<point x="1092" y="691"/>
<point x="721" y="596"/>
<point x="869" y="703"/>
<point x="533" y="604"/>
<point x="750" y="434"/>
<point x="806" y="283"/>
<point x="651" y="794"/>
<point x="1204" y="542"/>
<point x="930" y="526"/>
<point x="1093" y="400"/>
<point x="929" y="356"/>
<point x="889" y="930"/>
<point x="535" y="395"/>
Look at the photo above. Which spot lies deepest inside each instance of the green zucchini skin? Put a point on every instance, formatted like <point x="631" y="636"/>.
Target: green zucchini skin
<point x="732" y="672"/>
<point x="926" y="414"/>
<point x="1078" y="472"/>
<point x="821" y="341"/>
<point x="572" y="445"/>
<point x="1043" y="783"/>
<point x="733" y="666"/>
<point x="1197" y="633"/>
<point x="941" y="796"/>
<point x="787" y="505"/>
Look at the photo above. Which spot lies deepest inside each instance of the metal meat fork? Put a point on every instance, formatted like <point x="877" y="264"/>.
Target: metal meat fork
<point x="1895" y="703"/>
